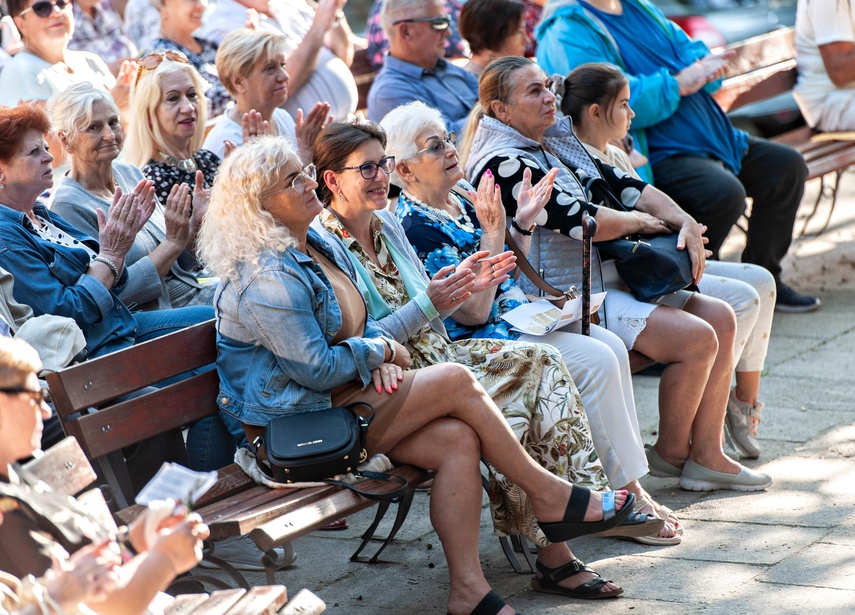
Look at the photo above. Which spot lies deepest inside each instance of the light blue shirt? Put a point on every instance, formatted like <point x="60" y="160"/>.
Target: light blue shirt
<point x="447" y="87"/>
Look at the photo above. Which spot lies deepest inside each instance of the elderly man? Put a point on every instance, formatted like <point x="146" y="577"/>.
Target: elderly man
<point x="825" y="51"/>
<point x="415" y="68"/>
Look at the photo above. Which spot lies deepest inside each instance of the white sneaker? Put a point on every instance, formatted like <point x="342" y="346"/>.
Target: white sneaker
<point x="241" y="553"/>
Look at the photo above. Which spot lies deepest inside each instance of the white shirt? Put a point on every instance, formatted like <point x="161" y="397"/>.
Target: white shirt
<point x="227" y="129"/>
<point x="331" y="80"/>
<point x="819" y="22"/>
<point x="28" y="77"/>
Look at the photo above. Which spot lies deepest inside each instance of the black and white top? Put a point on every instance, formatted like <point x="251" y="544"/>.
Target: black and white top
<point x="164" y="175"/>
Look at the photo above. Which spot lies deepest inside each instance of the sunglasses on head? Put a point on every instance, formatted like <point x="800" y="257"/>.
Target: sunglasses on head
<point x="44" y="8"/>
<point x="152" y="60"/>
<point x="437" y="23"/>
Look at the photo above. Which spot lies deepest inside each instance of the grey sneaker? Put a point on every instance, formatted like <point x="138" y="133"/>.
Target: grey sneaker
<point x="741" y="423"/>
<point x="242" y="554"/>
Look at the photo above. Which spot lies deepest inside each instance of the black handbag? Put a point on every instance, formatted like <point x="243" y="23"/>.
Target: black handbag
<point x="650" y="266"/>
<point x="315" y="446"/>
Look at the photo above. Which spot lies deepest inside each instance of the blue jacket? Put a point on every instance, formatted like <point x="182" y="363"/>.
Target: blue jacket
<point x="52" y="279"/>
<point x="275" y="323"/>
<point x="570" y="35"/>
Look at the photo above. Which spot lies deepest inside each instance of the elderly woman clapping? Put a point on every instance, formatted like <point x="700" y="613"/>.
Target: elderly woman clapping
<point x="251" y="65"/>
<point x="294" y="335"/>
<point x="162" y="273"/>
<point x="444" y="225"/>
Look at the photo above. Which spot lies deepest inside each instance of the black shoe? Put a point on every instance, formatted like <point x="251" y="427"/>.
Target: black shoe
<point x="791" y="301"/>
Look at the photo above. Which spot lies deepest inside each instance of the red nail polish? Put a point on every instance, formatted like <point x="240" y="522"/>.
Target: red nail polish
<point x="379" y="390"/>
<point x="389" y="389"/>
<point x="489" y="173"/>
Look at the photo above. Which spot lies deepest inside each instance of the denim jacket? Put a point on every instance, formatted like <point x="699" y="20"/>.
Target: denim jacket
<point x="275" y="322"/>
<point x="52" y="279"/>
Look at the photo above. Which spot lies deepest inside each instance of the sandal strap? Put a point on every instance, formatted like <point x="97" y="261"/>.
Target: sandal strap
<point x="490" y="604"/>
<point x="608" y="504"/>
<point x="568" y="570"/>
<point x="577" y="506"/>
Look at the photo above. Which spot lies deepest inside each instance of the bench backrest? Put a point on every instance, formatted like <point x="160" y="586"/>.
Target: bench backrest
<point x="97" y="383"/>
<point x="764" y="66"/>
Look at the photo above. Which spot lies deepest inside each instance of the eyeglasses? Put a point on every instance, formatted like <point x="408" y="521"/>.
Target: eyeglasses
<point x="300" y="183"/>
<point x="39" y="396"/>
<point x="369" y="169"/>
<point x="437" y="23"/>
<point x="44" y="8"/>
<point x="152" y="60"/>
<point x="438" y="147"/>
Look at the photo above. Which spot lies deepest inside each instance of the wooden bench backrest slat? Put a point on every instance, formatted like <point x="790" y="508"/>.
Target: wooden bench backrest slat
<point x="219" y="602"/>
<point x="117" y="426"/>
<point x="64" y="467"/>
<point x="261" y="600"/>
<point x="103" y="379"/>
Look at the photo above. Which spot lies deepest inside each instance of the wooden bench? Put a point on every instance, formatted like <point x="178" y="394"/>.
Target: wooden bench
<point x="763" y="67"/>
<point x="65" y="468"/>
<point x="84" y="397"/>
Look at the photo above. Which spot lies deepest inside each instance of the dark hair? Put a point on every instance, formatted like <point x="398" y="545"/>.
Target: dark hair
<point x="594" y="83"/>
<point x="15" y="122"/>
<point x="16" y="6"/>
<point x="485" y="24"/>
<point x="337" y="142"/>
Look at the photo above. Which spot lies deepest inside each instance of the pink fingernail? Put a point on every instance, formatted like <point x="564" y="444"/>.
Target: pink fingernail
<point x="488" y="173"/>
<point x="379" y="390"/>
<point x="389" y="389"/>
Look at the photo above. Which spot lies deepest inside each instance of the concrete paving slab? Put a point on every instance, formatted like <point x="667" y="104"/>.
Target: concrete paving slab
<point x="820" y="565"/>
<point x="758" y="598"/>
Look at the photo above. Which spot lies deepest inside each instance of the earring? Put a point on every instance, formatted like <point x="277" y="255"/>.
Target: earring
<point x="2" y="186"/>
<point x="340" y="196"/>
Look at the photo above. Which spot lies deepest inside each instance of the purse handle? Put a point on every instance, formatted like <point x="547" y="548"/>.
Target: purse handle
<point x="529" y="271"/>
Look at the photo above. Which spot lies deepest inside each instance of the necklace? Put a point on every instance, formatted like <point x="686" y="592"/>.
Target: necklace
<point x="188" y="164"/>
<point x="463" y="221"/>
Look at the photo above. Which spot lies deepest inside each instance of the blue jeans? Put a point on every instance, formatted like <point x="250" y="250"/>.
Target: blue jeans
<point x="209" y="444"/>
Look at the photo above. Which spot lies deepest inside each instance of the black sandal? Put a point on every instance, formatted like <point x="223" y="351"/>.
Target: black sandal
<point x="549" y="582"/>
<point x="572" y="525"/>
<point x="490" y="604"/>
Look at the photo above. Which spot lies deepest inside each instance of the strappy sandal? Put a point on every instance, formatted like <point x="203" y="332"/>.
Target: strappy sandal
<point x="490" y="604"/>
<point x="549" y="582"/>
<point x="572" y="526"/>
<point x="655" y="540"/>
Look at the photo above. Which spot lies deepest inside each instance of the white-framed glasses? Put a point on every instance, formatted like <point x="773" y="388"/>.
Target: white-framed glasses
<point x="300" y="183"/>
<point x="438" y="147"/>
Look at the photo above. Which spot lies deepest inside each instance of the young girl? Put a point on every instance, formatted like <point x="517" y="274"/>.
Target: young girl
<point x="596" y="97"/>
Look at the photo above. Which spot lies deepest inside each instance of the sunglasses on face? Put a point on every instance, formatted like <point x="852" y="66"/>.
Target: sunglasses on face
<point x="437" y="23"/>
<point x="154" y="59"/>
<point x="369" y="169"/>
<point x="44" y="8"/>
<point x="438" y="147"/>
<point x="39" y="396"/>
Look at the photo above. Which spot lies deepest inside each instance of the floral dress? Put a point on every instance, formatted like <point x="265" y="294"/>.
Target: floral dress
<point x="528" y="382"/>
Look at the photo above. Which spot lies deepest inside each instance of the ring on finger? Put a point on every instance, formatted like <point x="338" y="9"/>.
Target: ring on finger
<point x="453" y="298"/>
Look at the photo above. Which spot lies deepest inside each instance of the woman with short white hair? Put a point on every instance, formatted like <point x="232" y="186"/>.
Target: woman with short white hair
<point x="445" y="226"/>
<point x="162" y="273"/>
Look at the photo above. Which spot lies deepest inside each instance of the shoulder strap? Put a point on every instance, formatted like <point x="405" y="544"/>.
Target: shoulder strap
<point x="531" y="274"/>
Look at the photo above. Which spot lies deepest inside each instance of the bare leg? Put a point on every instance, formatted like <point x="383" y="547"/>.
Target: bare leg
<point x="455" y="502"/>
<point x="748" y="387"/>
<point x="709" y="421"/>
<point x="464" y="399"/>
<point x="671" y="520"/>
<point x="688" y="347"/>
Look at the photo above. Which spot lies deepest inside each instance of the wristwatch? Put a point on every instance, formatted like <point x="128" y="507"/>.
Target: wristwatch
<point x="521" y="230"/>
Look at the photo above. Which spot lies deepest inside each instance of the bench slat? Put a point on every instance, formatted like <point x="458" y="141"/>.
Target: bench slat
<point x="262" y="600"/>
<point x="220" y="602"/>
<point x="185" y="604"/>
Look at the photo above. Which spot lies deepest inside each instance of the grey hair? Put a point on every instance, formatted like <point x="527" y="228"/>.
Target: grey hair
<point x="393" y="10"/>
<point x="70" y="110"/>
<point x="403" y="125"/>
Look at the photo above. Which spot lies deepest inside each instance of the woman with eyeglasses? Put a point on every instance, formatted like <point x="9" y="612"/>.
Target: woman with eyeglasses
<point x="493" y="28"/>
<point x="167" y="125"/>
<point x="445" y="225"/>
<point x="40" y="527"/>
<point x="295" y="335"/>
<point x="179" y="19"/>
<point x="527" y="380"/>
<point x="162" y="272"/>
<point x="46" y="65"/>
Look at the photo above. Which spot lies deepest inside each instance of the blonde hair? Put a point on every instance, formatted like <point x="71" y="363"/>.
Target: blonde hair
<point x="17" y="361"/>
<point x="403" y="125"/>
<point x="494" y="84"/>
<point x="237" y="227"/>
<point x="241" y="50"/>
<point x="70" y="110"/>
<point x="145" y="138"/>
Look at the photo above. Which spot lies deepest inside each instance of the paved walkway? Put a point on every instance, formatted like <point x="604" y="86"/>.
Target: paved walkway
<point x="790" y="550"/>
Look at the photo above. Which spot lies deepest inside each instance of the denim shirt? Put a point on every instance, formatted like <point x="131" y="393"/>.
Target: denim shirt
<point x="275" y="323"/>
<point x="52" y="279"/>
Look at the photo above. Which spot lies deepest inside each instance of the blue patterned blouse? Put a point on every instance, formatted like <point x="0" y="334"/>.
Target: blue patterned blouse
<point x="441" y="240"/>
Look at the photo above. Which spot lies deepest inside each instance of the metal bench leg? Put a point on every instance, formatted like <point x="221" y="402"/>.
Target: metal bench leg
<point x="234" y="573"/>
<point x="508" y="550"/>
<point x="529" y="551"/>
<point x="838" y="178"/>
<point x="819" y="196"/>
<point x="368" y="535"/>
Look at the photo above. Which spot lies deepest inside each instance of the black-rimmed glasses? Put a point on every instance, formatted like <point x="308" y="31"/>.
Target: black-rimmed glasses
<point x="369" y="169"/>
<point x="39" y="396"/>
<point x="44" y="8"/>
<point x="438" y="147"/>
<point x="437" y="23"/>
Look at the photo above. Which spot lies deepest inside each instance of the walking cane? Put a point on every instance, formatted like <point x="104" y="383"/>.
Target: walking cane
<point x="589" y="229"/>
